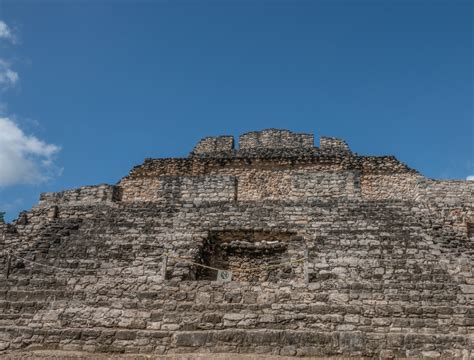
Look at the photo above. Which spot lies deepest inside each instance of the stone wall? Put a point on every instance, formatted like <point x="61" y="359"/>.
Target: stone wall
<point x="275" y="139"/>
<point x="304" y="177"/>
<point x="245" y="185"/>
<point x="199" y="188"/>
<point x="389" y="186"/>
<point x="84" y="194"/>
<point x="297" y="185"/>
<point x="446" y="192"/>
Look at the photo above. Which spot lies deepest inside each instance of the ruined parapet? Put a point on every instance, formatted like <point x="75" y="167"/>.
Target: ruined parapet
<point x="214" y="146"/>
<point x="332" y="144"/>
<point x="268" y="142"/>
<point x="275" y="139"/>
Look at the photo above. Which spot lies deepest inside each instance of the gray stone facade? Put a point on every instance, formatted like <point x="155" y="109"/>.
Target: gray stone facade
<point x="331" y="254"/>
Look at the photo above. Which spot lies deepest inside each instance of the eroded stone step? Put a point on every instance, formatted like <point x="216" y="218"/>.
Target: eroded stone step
<point x="235" y="340"/>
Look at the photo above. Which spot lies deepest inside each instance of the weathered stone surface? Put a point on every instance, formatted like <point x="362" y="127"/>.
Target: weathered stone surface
<point x="331" y="254"/>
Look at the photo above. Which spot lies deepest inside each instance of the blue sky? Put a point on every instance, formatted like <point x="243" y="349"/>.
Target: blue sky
<point x="101" y="85"/>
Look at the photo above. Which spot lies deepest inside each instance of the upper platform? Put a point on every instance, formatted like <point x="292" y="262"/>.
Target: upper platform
<point x="271" y="164"/>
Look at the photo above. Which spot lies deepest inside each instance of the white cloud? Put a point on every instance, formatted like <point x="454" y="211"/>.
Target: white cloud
<point x="8" y="77"/>
<point x="6" y="32"/>
<point x="24" y="159"/>
<point x="470" y="178"/>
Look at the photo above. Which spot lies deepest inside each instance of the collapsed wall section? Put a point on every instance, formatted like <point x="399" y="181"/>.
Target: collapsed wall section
<point x="332" y="144"/>
<point x="214" y="146"/>
<point x="249" y="254"/>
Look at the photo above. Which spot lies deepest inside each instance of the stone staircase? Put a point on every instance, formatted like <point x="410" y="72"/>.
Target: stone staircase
<point x="377" y="285"/>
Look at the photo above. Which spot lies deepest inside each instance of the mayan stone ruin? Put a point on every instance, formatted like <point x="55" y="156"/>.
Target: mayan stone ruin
<point x="265" y="245"/>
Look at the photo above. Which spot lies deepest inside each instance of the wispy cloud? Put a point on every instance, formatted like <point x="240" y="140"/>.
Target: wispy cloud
<point x="24" y="159"/>
<point x="6" y="33"/>
<point x="470" y="178"/>
<point x="8" y="77"/>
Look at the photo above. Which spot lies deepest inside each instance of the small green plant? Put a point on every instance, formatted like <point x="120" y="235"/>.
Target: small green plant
<point x="2" y="217"/>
